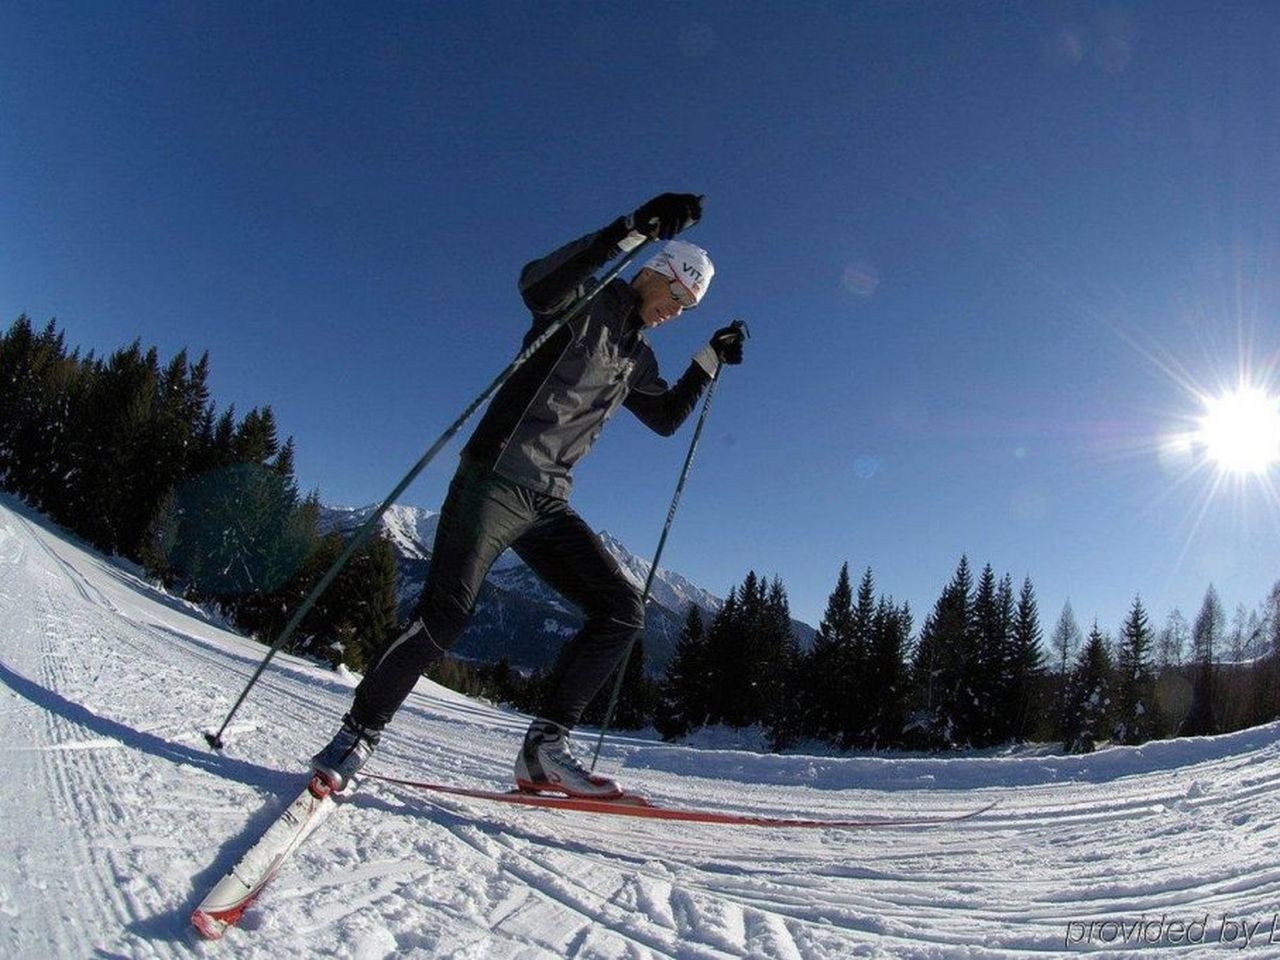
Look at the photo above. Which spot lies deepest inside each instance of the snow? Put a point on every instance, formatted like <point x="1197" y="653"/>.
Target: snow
<point x="116" y="818"/>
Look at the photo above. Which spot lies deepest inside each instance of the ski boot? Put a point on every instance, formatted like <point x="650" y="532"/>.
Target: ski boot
<point x="346" y="753"/>
<point x="545" y="765"/>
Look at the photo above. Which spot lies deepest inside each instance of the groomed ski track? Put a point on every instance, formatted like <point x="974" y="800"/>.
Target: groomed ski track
<point x="115" y="818"/>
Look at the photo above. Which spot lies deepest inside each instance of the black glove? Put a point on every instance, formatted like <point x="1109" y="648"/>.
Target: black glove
<point x="667" y="214"/>
<point x="727" y="342"/>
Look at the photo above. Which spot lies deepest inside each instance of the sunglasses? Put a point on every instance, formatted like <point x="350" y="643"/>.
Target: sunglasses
<point x="681" y="294"/>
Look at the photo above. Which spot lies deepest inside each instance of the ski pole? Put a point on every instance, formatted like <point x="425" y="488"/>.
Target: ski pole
<point x="362" y="534"/>
<point x="621" y="669"/>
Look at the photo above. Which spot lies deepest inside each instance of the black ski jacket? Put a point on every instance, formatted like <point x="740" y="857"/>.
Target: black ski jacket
<point x="548" y="415"/>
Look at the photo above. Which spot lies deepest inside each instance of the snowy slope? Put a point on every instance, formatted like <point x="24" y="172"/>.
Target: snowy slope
<point x="115" y="818"/>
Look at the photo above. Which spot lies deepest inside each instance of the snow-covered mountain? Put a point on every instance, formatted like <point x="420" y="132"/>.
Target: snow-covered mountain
<point x="116" y="818"/>
<point x="669" y="589"/>
<point x="517" y="615"/>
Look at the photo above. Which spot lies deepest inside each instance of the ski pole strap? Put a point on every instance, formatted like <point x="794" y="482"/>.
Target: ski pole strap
<point x="362" y="534"/>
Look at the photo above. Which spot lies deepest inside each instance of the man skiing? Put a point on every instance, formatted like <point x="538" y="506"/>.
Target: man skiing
<point x="512" y="486"/>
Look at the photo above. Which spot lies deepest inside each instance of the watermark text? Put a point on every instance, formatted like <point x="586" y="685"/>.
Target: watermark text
<point x="1164" y="930"/>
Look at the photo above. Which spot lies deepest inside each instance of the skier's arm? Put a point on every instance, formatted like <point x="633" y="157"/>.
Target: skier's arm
<point x="551" y="284"/>
<point x="661" y="408"/>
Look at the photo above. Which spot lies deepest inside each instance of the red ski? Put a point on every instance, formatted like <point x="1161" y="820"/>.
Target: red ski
<point x="633" y="805"/>
<point x="227" y="901"/>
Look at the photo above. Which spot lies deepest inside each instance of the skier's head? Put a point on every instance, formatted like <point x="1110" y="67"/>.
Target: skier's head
<point x="673" y="280"/>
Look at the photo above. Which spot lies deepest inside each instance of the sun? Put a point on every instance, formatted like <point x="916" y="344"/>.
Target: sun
<point x="1240" y="431"/>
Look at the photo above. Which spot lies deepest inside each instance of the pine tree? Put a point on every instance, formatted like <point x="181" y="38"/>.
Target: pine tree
<point x="886" y="679"/>
<point x="1135" y="717"/>
<point x="1173" y="640"/>
<point x="159" y="538"/>
<point x="941" y="667"/>
<point x="853" y="716"/>
<point x="779" y="669"/>
<point x="748" y="706"/>
<point x="1066" y="646"/>
<point x="356" y="614"/>
<point x="242" y="535"/>
<point x="180" y="415"/>
<point x="1271" y="683"/>
<point x="255" y="440"/>
<point x="128" y="452"/>
<point x="751" y="657"/>
<point x="822" y="690"/>
<point x="1206" y="635"/>
<point x="1028" y="663"/>
<point x="725" y="673"/>
<point x="36" y="378"/>
<point x="17" y="403"/>
<point x="367" y="601"/>
<point x="111" y="447"/>
<point x="984" y="721"/>
<point x="732" y="647"/>
<point x="221" y="451"/>
<point x="682" y="693"/>
<point x="1089" y="705"/>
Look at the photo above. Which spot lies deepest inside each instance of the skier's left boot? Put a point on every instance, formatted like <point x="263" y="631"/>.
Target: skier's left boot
<point x="347" y="752"/>
<point x="546" y="765"/>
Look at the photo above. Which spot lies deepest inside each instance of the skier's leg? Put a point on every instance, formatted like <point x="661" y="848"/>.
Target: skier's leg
<point x="567" y="554"/>
<point x="482" y="515"/>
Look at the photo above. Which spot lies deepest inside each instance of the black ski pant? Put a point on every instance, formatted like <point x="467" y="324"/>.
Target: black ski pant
<point x="484" y="514"/>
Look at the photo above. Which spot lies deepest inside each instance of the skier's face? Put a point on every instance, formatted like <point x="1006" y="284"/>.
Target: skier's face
<point x="661" y="297"/>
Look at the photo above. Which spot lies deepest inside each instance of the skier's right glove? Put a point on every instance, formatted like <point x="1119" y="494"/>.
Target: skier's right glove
<point x="667" y="214"/>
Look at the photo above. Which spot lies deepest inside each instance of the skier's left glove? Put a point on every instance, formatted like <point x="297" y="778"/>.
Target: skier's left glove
<point x="725" y="347"/>
<point x="727" y="343"/>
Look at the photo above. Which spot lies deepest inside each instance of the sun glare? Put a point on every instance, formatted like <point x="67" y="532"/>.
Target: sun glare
<point x="1241" y="431"/>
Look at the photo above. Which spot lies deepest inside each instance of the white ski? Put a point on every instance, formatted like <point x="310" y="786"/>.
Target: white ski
<point x="227" y="901"/>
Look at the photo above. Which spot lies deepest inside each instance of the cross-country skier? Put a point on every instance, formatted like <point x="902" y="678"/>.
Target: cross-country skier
<point x="512" y="486"/>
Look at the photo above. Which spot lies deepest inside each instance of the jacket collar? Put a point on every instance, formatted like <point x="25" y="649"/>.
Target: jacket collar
<point x="632" y="326"/>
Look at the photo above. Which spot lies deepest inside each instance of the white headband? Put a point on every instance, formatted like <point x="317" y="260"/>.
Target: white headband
<point x="687" y="263"/>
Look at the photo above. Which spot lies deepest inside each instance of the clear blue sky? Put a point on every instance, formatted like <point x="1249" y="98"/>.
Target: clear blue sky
<point x="986" y="252"/>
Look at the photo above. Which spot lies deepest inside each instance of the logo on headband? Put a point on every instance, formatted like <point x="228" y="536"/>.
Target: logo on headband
<point x="686" y="264"/>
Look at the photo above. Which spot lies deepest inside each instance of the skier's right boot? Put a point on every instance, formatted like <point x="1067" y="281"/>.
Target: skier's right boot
<point x="346" y="753"/>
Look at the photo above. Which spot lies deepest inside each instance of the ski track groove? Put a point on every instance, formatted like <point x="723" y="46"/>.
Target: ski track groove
<point x="551" y="886"/>
<point x="911" y="913"/>
<point x="774" y="920"/>
<point x="627" y="874"/>
<point x="75" y="652"/>
<point x="77" y="779"/>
